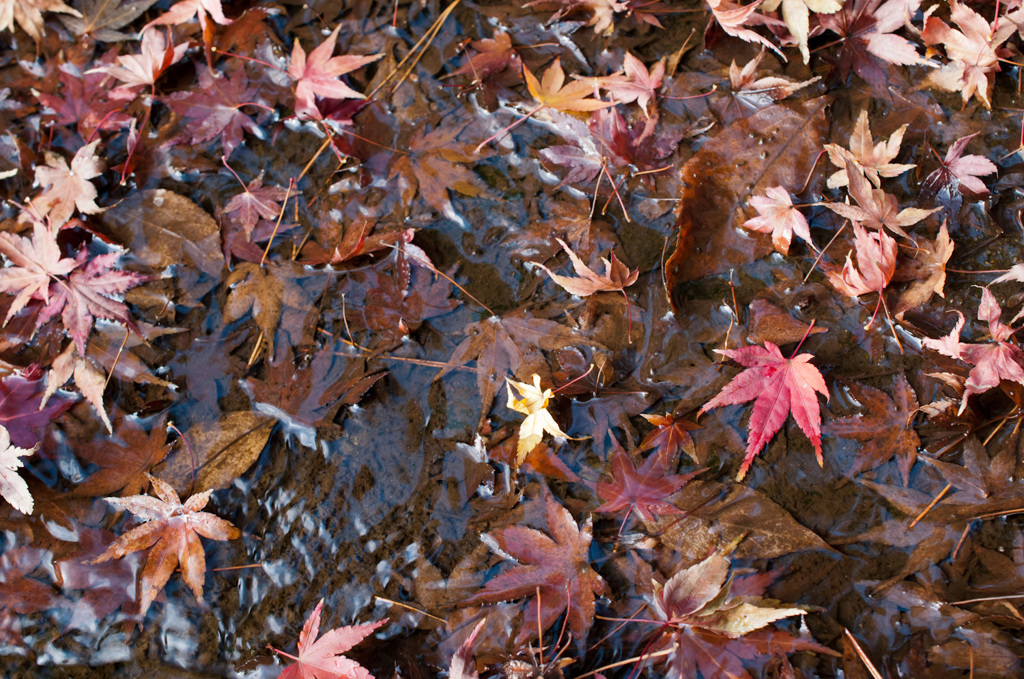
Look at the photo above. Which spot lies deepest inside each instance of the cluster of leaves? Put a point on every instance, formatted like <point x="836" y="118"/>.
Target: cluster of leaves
<point x="290" y="304"/>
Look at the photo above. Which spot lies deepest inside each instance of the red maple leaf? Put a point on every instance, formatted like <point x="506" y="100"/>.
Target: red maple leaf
<point x="642" y="489"/>
<point x="557" y="566"/>
<point x="172" y="529"/>
<point x="86" y="295"/>
<point x="322" y="658"/>
<point x="85" y="101"/>
<point x="319" y="74"/>
<point x="780" y="386"/>
<point x="214" y="109"/>
<point x="867" y="29"/>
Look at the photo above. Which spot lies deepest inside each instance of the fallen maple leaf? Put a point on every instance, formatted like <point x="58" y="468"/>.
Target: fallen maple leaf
<point x="927" y="271"/>
<point x="993" y="362"/>
<point x="750" y="93"/>
<point x="322" y="658"/>
<point x="874" y="160"/>
<point x="777" y="216"/>
<point x="214" y="109"/>
<point x="12" y="487"/>
<point x="780" y="386"/>
<point x="533" y="404"/>
<point x="87" y="294"/>
<point x="555" y="569"/>
<point x="797" y="14"/>
<point x="638" y="84"/>
<point x="102" y="19"/>
<point x="66" y="188"/>
<point x="34" y="263"/>
<point x="180" y="12"/>
<point x="708" y="630"/>
<point x="642" y="489"/>
<point x="961" y="173"/>
<point x="867" y="31"/>
<point x="22" y="410"/>
<point x="124" y="461"/>
<point x="156" y="54"/>
<point x="617" y="275"/>
<point x="551" y="91"/>
<point x="735" y="19"/>
<point x="972" y="51"/>
<point x="875" y="208"/>
<point x="319" y="74"/>
<point x="670" y="436"/>
<point x="29" y="15"/>
<point x="254" y="202"/>
<point x="876" y="264"/>
<point x="89" y="378"/>
<point x="463" y="666"/>
<point x="885" y="429"/>
<point x="172" y="530"/>
<point x="493" y="55"/>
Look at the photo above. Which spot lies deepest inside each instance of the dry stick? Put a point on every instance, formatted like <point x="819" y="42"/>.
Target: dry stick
<point x="822" y="253"/>
<point x="621" y="663"/>
<point x="352" y="338"/>
<point x="862" y="655"/>
<point x="956" y="550"/>
<point x="237" y="568"/>
<point x="427" y="38"/>
<point x="116" y="358"/>
<point x="411" y="608"/>
<point x="931" y="504"/>
<point x="255" y="351"/>
<point x="809" y="172"/>
<point x="985" y="598"/>
<point x="284" y="204"/>
<point x="994" y="432"/>
<point x="1008" y="512"/>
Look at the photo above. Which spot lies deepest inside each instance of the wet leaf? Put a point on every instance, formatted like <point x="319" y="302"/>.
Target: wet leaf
<point x="29" y="15"/>
<point x="68" y="187"/>
<point x="876" y="264"/>
<point x="34" y="263"/>
<point x="319" y="75"/>
<point x="219" y="452"/>
<point x="777" y="216"/>
<point x="778" y="386"/>
<point x="720" y="178"/>
<point x="927" y="271"/>
<point x="559" y="566"/>
<point x="103" y="19"/>
<point x="872" y="160"/>
<point x="21" y="408"/>
<point x="12" y="487"/>
<point x="171" y="532"/>
<point x="551" y="91"/>
<point x="214" y="111"/>
<point x="670" y="436"/>
<point x="885" y="429"/>
<point x="124" y="464"/>
<point x="321" y="657"/>
<point x="644" y="489"/>
<point x="617" y="275"/>
<point x="163" y="229"/>
<point x="533" y="403"/>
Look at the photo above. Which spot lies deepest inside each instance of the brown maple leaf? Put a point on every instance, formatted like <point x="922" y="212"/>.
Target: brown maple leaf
<point x="172" y="531"/>
<point x="885" y="429"/>
<point x="670" y="436"/>
<point x="102" y="19"/>
<point x="874" y="160"/>
<point x="616" y="278"/>
<point x="558" y="567"/>
<point x="123" y="465"/>
<point x="927" y="270"/>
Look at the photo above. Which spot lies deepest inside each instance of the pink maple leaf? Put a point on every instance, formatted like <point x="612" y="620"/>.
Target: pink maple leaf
<point x="254" y="202"/>
<point x="735" y="21"/>
<point x="777" y="216"/>
<point x="66" y="188"/>
<point x="34" y="263"/>
<point x="780" y="386"/>
<point x="323" y="658"/>
<point x="994" y="361"/>
<point x="181" y="12"/>
<point x="961" y="172"/>
<point x="319" y="74"/>
<point x="972" y="51"/>
<point x="644" y="489"/>
<point x="214" y="109"/>
<point x="86" y="294"/>
<point x="876" y="263"/>
<point x="638" y="84"/>
<point x="155" y="55"/>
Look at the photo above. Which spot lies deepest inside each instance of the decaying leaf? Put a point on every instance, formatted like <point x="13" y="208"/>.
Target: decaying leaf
<point x="171" y="532"/>
<point x="616" y="278"/>
<point x="66" y="188"/>
<point x="873" y="160"/>
<point x="926" y="271"/>
<point x="797" y="15"/>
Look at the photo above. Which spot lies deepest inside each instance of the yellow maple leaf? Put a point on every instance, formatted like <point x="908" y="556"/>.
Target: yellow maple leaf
<point x="533" y="404"/>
